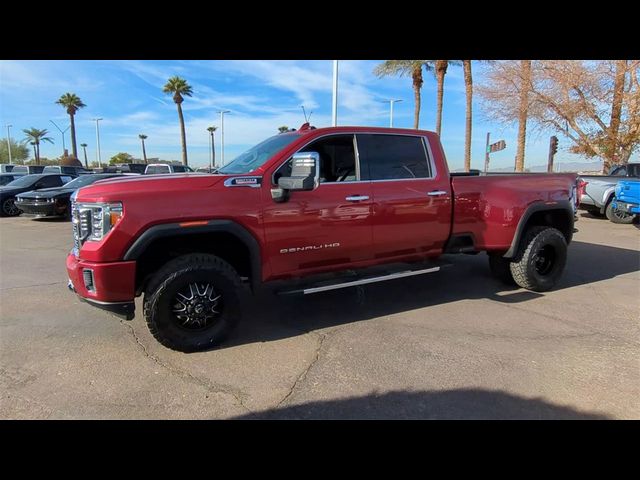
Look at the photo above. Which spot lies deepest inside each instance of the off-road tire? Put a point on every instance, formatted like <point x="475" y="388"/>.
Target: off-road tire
<point x="540" y="243"/>
<point x="500" y="268"/>
<point x="616" y="216"/>
<point x="172" y="278"/>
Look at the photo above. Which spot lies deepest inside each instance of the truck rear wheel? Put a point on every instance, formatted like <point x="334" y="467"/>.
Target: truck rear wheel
<point x="193" y="302"/>
<point x="500" y="268"/>
<point x="541" y="260"/>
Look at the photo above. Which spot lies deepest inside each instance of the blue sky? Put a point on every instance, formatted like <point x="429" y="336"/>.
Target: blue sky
<point x="262" y="95"/>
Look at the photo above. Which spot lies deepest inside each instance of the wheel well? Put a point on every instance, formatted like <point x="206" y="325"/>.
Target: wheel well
<point x="222" y="244"/>
<point x="560" y="219"/>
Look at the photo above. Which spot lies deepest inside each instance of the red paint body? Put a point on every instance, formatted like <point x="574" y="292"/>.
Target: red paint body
<point x="398" y="222"/>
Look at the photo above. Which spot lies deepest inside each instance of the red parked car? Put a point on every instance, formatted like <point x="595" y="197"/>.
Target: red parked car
<point x="305" y="212"/>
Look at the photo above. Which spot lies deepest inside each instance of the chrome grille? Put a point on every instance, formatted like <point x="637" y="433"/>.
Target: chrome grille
<point x="75" y="228"/>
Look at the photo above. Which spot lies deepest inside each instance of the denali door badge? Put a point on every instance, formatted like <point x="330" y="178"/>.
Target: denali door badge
<point x="309" y="247"/>
<point x="243" y="182"/>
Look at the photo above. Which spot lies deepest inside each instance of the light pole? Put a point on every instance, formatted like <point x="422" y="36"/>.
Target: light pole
<point x="222" y="112"/>
<point x="391" y="102"/>
<point x="62" y="133"/>
<point x="98" y="141"/>
<point x="9" y="140"/>
<point x="334" y="110"/>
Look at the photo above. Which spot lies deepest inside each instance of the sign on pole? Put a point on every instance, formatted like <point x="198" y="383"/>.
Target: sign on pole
<point x="496" y="147"/>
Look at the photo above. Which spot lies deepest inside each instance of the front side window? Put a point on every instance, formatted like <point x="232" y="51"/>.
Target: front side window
<point x="392" y="157"/>
<point x="619" y="172"/>
<point x="337" y="159"/>
<point x="178" y="169"/>
<point x="50" y="182"/>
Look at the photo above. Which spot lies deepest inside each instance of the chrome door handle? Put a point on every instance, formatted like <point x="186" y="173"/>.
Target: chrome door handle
<point x="357" y="198"/>
<point x="437" y="193"/>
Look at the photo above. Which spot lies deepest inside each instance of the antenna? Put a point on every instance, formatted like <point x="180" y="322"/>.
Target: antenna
<point x="306" y="119"/>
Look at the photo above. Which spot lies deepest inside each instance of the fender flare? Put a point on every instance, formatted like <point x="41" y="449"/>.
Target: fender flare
<point x="563" y="205"/>
<point x="213" y="226"/>
<point x="607" y="196"/>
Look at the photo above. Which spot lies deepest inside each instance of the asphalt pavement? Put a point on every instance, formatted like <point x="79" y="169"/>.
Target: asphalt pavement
<point x="451" y="345"/>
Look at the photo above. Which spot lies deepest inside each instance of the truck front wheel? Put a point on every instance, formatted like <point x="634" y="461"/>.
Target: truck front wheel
<point x="618" y="216"/>
<point x="541" y="260"/>
<point x="193" y="302"/>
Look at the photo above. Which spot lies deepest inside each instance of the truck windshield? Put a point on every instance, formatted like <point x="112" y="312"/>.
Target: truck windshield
<point x="256" y="156"/>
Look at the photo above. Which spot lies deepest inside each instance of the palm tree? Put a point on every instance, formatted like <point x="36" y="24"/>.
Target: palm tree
<point x="283" y="129"/>
<point x="402" y="68"/>
<point x="211" y="130"/>
<point x="523" y="111"/>
<point x="72" y="103"/>
<point x="179" y="88"/>
<point x="84" y="147"/>
<point x="440" y="67"/>
<point x="142" y="138"/>
<point x="34" y="136"/>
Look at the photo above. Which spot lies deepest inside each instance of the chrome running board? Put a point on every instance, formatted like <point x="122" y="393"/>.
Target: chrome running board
<point x="363" y="281"/>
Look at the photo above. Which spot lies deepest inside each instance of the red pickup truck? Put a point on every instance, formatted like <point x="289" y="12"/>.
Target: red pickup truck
<point x="304" y="212"/>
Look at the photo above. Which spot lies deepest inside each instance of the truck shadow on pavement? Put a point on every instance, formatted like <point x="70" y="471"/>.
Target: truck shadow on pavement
<point x="462" y="404"/>
<point x="270" y="317"/>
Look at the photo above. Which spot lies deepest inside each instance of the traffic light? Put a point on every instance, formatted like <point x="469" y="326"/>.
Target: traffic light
<point x="554" y="145"/>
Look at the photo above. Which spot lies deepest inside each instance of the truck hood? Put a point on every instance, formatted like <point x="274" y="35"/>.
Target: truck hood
<point x="118" y="188"/>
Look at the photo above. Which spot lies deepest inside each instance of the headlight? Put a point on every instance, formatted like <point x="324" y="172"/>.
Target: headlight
<point x="97" y="219"/>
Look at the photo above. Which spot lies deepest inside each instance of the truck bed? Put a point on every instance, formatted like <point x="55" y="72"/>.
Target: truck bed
<point x="489" y="207"/>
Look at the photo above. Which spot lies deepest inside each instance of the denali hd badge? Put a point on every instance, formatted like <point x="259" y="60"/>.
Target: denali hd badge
<point x="309" y="247"/>
<point x="243" y="182"/>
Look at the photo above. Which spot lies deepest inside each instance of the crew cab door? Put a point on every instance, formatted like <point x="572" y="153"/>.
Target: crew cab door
<point x="411" y="200"/>
<point x="326" y="227"/>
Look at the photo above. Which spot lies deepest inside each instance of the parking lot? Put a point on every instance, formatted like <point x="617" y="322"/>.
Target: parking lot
<point x="456" y="344"/>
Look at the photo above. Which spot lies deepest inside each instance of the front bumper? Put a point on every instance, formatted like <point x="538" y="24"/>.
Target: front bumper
<point x="40" y="209"/>
<point x="626" y="206"/>
<point x="112" y="285"/>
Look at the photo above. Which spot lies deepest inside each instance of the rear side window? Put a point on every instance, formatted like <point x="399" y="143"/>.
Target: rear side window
<point x="66" y="179"/>
<point x="393" y="157"/>
<point x="158" y="169"/>
<point x="179" y="168"/>
<point x="49" y="182"/>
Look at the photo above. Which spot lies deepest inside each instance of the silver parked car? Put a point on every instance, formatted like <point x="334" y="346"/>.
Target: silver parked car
<point x="600" y="189"/>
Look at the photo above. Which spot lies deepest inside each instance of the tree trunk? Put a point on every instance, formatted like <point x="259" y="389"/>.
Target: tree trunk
<point x="86" y="163"/>
<point x="417" y="85"/>
<point x="183" y="135"/>
<point x="35" y="155"/>
<point x="468" y="85"/>
<point x="73" y="137"/>
<point x="441" y="71"/>
<point x="616" y="112"/>
<point x="144" y="152"/>
<point x="523" y="111"/>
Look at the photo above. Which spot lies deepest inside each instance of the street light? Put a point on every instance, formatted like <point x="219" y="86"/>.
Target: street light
<point x="9" y="140"/>
<point x="391" y="102"/>
<point x="98" y="141"/>
<point x="222" y="112"/>
<point x="62" y="133"/>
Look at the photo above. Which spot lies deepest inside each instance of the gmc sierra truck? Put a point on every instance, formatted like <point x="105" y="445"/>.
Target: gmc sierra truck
<point x="304" y="212"/>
